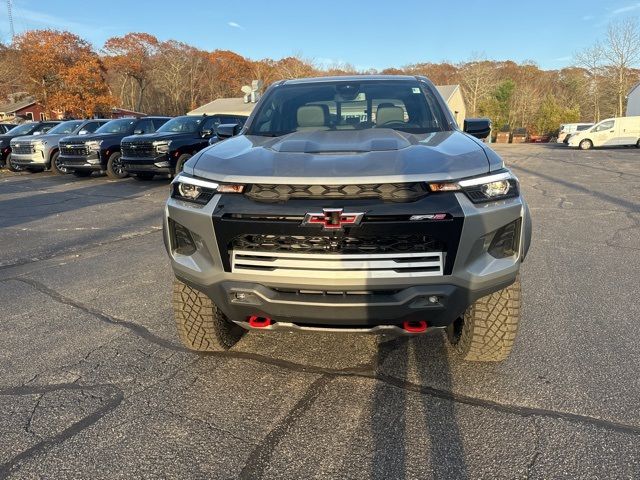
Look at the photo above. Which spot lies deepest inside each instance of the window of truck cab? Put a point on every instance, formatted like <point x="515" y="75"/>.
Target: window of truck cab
<point x="349" y="105"/>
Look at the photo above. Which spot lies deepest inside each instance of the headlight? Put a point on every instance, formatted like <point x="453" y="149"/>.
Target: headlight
<point x="94" y="145"/>
<point x="482" y="189"/>
<point x="196" y="190"/>
<point x="162" y="146"/>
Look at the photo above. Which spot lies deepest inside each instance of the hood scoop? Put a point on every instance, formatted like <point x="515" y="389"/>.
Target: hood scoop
<point x="342" y="141"/>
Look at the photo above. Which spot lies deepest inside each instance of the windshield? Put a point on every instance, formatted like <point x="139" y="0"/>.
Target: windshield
<point x="25" y="129"/>
<point x="341" y="105"/>
<point x="124" y="125"/>
<point x="182" y="125"/>
<point x="66" y="127"/>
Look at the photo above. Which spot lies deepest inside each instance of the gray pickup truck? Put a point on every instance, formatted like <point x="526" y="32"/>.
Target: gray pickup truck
<point x="38" y="153"/>
<point x="350" y="204"/>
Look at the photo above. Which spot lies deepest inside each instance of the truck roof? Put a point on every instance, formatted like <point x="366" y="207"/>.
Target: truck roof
<point x="348" y="78"/>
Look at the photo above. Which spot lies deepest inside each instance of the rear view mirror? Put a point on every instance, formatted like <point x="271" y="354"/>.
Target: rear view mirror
<point x="227" y="130"/>
<point x="477" y="127"/>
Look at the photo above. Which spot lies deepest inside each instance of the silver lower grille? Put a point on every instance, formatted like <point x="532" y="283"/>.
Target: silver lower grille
<point x="344" y="267"/>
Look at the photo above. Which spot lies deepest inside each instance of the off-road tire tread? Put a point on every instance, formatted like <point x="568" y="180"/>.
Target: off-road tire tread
<point x="110" y="172"/>
<point x="490" y="326"/>
<point x="201" y="325"/>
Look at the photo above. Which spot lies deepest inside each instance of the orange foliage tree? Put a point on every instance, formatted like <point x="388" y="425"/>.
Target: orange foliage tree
<point x="62" y="71"/>
<point x="131" y="58"/>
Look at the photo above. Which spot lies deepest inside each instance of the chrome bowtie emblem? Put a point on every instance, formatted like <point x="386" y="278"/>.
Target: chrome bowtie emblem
<point x="332" y="219"/>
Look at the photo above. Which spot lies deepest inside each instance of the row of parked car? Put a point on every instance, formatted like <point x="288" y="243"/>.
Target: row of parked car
<point x="142" y="147"/>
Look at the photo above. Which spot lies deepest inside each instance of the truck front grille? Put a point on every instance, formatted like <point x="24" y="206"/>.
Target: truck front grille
<point x="346" y="267"/>
<point x="74" y="150"/>
<point x="392" y="192"/>
<point x="23" y="149"/>
<point x="138" y="149"/>
<point x="342" y="245"/>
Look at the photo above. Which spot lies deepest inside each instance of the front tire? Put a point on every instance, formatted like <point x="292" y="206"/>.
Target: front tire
<point x="201" y="325"/>
<point x="9" y="164"/>
<point x="180" y="163"/>
<point x="115" y="167"/>
<point x="487" y="331"/>
<point x="56" y="165"/>
<point x="586" y="145"/>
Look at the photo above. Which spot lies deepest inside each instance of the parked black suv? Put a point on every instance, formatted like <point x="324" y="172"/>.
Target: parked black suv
<point x="165" y="151"/>
<point x="33" y="128"/>
<point x="5" y="127"/>
<point x="101" y="151"/>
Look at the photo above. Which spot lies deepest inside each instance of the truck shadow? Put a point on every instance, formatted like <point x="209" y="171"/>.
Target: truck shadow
<point x="413" y="431"/>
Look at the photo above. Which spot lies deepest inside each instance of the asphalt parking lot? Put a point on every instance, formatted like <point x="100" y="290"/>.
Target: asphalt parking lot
<point x="94" y="383"/>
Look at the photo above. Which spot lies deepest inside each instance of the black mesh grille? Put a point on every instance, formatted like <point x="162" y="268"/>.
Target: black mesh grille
<point x="344" y="245"/>
<point x="23" y="149"/>
<point x="393" y="192"/>
<point x="76" y="150"/>
<point x="138" y="149"/>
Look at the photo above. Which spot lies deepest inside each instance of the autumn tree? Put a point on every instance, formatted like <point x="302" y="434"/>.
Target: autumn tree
<point x="230" y="72"/>
<point x="477" y="78"/>
<point x="182" y="74"/>
<point x="592" y="61"/>
<point x="62" y="71"/>
<point x="131" y="59"/>
<point x="622" y="51"/>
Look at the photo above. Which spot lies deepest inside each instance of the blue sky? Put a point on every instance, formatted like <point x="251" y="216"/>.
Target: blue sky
<point x="367" y="34"/>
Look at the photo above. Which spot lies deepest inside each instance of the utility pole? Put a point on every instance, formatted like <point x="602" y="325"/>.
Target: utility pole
<point x="11" y="29"/>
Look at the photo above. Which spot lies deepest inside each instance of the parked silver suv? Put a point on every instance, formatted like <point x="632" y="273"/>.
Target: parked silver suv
<point x="349" y="204"/>
<point x="38" y="153"/>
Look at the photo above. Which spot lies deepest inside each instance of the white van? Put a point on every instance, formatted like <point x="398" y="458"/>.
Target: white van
<point x="609" y="133"/>
<point x="570" y="129"/>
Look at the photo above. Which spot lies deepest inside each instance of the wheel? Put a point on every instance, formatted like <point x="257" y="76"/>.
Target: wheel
<point x="487" y="331"/>
<point x="201" y="325"/>
<point x="56" y="166"/>
<point x="144" y="176"/>
<point x="82" y="173"/>
<point x="586" y="145"/>
<point x="9" y="164"/>
<point x="638" y="143"/>
<point x="180" y="163"/>
<point x="115" y="167"/>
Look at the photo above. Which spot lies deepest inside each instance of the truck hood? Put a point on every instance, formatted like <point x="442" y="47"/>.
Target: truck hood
<point x="343" y="156"/>
<point x="92" y="136"/>
<point x="53" y="138"/>
<point x="154" y="137"/>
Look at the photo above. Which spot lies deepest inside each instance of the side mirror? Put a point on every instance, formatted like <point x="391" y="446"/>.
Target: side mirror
<point x="477" y="127"/>
<point x="83" y="132"/>
<point x="138" y="131"/>
<point x="227" y="130"/>
<point x="206" y="133"/>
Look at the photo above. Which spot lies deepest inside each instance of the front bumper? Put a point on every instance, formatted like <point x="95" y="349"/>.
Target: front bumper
<point x="157" y="165"/>
<point x="37" y="158"/>
<point x="341" y="301"/>
<point x="81" y="162"/>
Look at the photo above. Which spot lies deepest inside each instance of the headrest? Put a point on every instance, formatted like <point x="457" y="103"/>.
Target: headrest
<point x="389" y="114"/>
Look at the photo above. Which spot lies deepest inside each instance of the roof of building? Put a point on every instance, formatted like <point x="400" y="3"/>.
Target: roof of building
<point x="12" y="107"/>
<point x="447" y="91"/>
<point x="228" y="106"/>
<point x="633" y="88"/>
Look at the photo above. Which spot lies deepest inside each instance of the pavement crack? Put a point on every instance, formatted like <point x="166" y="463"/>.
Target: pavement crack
<point x="536" y="448"/>
<point x="260" y="456"/>
<point x="13" y="464"/>
<point x="133" y="327"/>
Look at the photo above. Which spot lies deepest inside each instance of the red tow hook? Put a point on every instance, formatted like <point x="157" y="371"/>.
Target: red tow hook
<point x="259" y="322"/>
<point x="417" y="326"/>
